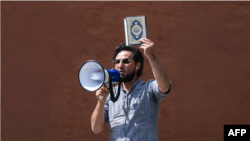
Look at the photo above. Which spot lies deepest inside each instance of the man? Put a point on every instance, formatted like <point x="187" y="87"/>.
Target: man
<point x="134" y="116"/>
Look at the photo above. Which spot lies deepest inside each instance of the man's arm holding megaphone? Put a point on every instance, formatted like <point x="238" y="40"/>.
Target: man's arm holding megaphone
<point x="97" y="118"/>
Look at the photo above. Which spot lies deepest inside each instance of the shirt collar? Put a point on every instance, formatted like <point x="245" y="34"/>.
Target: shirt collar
<point x="138" y="83"/>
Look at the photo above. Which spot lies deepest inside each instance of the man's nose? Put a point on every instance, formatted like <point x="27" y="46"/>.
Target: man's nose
<point x="120" y="65"/>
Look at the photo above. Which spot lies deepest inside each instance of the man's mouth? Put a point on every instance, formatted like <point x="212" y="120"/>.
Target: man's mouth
<point x="121" y="71"/>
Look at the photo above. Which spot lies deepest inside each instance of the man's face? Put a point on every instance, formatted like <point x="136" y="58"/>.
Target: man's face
<point x="127" y="69"/>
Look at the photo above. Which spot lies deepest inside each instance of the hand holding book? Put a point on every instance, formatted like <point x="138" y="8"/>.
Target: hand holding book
<point x="148" y="47"/>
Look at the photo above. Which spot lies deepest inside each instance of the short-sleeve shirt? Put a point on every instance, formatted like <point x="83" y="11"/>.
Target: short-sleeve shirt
<point x="134" y="116"/>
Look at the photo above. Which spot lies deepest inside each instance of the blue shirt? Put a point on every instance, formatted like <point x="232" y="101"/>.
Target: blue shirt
<point x="134" y="116"/>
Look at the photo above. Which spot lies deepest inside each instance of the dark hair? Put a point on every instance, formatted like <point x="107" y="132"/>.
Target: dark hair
<point x="136" y="55"/>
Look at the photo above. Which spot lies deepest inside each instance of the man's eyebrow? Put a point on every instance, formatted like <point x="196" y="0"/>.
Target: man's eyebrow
<point x="121" y="59"/>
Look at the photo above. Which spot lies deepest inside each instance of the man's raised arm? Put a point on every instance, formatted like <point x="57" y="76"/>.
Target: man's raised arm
<point x="160" y="74"/>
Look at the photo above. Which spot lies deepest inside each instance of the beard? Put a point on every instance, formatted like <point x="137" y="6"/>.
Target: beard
<point x="129" y="77"/>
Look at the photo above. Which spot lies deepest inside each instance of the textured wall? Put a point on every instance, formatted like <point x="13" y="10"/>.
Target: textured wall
<point x="211" y="61"/>
<point x="204" y="46"/>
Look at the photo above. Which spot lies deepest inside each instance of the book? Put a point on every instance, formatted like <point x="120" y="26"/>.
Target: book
<point x="135" y="28"/>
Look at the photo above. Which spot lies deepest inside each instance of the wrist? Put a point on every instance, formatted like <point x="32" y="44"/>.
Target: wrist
<point x="101" y="102"/>
<point x="151" y="57"/>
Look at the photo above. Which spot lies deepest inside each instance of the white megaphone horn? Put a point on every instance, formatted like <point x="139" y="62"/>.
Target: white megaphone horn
<point x="92" y="76"/>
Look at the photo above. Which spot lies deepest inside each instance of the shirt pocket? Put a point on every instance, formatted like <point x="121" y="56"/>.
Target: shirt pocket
<point x="135" y="103"/>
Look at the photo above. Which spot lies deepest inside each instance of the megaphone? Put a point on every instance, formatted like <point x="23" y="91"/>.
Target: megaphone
<point x="92" y="76"/>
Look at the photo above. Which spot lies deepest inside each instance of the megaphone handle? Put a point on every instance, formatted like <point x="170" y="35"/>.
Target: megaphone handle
<point x="101" y="97"/>
<point x="107" y="85"/>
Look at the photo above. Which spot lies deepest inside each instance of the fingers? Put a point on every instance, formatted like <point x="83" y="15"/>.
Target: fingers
<point x="104" y="86"/>
<point x="143" y="46"/>
<point x="104" y="90"/>
<point x="102" y="93"/>
<point x="114" y="85"/>
<point x="145" y="40"/>
<point x="145" y="43"/>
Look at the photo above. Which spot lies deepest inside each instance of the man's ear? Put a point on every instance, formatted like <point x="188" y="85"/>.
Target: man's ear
<point x="138" y="66"/>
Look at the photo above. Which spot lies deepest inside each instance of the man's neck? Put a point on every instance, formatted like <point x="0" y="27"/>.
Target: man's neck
<point x="128" y="85"/>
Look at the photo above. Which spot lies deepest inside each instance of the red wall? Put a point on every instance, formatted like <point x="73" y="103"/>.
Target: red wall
<point x="204" y="46"/>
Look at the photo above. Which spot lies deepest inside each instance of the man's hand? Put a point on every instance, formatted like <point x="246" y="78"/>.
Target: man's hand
<point x="102" y="92"/>
<point x="147" y="46"/>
